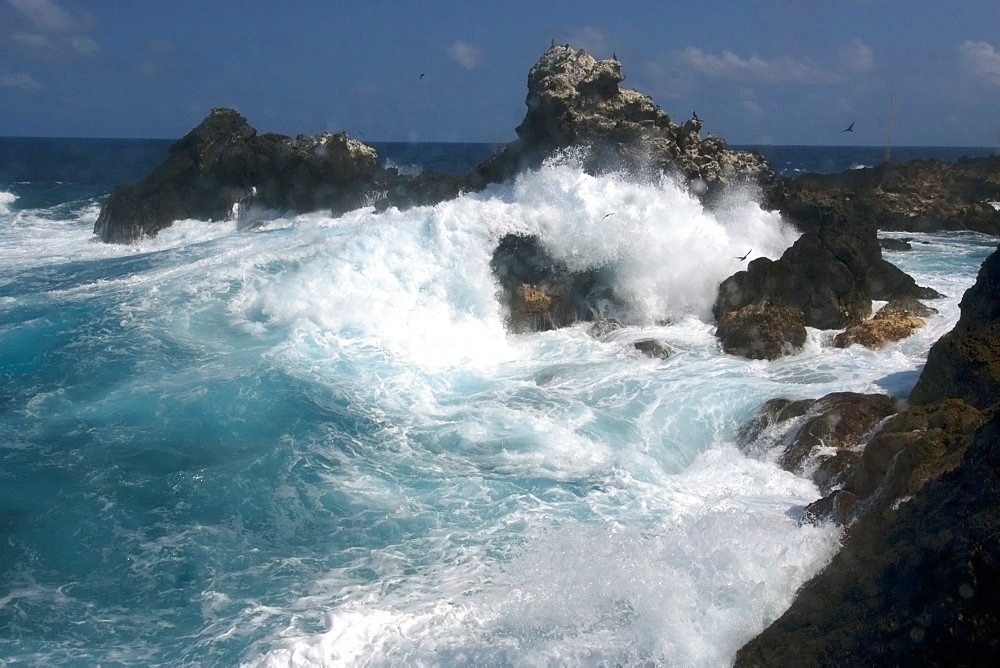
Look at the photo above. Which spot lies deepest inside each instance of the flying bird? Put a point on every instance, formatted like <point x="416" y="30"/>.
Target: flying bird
<point x="422" y="75"/>
<point x="694" y="115"/>
<point x="849" y="128"/>
<point x="745" y="256"/>
<point x="608" y="214"/>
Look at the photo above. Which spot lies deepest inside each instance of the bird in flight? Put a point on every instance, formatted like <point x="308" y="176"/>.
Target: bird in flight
<point x="745" y="256"/>
<point x="422" y="74"/>
<point x="849" y="128"/>
<point x="608" y="214"/>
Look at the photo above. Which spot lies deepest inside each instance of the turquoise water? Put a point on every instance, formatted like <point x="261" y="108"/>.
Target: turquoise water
<point x="315" y="443"/>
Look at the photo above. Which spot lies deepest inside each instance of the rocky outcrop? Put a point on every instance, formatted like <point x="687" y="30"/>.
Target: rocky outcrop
<point x="917" y="578"/>
<point x="917" y="196"/>
<point x="831" y="275"/>
<point x="916" y="584"/>
<point x="223" y="166"/>
<point x="541" y="292"/>
<point x="893" y="322"/>
<point x="762" y="331"/>
<point x="575" y="100"/>
<point x="965" y="363"/>
<point x="821" y="438"/>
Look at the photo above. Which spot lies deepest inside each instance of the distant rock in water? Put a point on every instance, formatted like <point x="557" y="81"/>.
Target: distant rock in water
<point x="223" y="166"/>
<point x="575" y="100"/>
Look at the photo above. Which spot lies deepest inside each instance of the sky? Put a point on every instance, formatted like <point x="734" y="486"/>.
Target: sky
<point x="764" y="72"/>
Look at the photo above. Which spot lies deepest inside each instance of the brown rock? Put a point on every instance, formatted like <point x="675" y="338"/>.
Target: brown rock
<point x="762" y="331"/>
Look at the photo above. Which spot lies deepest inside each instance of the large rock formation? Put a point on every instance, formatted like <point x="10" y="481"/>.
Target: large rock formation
<point x="894" y="321"/>
<point x="575" y="100"/>
<point x="831" y="275"/>
<point x="223" y="166"/>
<point x="917" y="196"/>
<point x="918" y="578"/>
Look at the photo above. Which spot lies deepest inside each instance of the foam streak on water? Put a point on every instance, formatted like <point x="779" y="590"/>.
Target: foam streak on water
<point x="314" y="443"/>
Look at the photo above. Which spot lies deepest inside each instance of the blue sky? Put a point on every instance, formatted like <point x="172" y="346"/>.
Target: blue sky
<point x="781" y="71"/>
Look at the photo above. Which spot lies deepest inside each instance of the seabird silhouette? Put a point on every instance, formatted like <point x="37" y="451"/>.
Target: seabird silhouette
<point x="608" y="214"/>
<point x="422" y="75"/>
<point x="745" y="256"/>
<point x="849" y="128"/>
<point x="694" y="115"/>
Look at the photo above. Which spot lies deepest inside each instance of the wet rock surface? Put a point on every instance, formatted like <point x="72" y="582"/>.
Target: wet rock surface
<point x="917" y="581"/>
<point x="762" y="331"/>
<point x="893" y="322"/>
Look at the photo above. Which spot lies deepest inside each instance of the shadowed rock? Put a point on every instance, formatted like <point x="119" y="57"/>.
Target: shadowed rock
<point x="965" y="362"/>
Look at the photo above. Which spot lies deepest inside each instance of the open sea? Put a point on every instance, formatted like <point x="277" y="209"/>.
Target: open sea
<point x="314" y="443"/>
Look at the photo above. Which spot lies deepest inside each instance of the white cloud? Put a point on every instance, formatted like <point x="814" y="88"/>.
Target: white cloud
<point x="856" y="56"/>
<point x="21" y="80"/>
<point x="45" y="15"/>
<point x="85" y="45"/>
<point x="733" y="67"/>
<point x="465" y="54"/>
<point x="981" y="61"/>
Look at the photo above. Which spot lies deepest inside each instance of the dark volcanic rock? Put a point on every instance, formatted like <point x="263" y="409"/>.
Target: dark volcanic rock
<point x="965" y="362"/>
<point x="895" y="244"/>
<point x="575" y="100"/>
<point x="831" y="275"/>
<point x="917" y="196"/>
<point x="541" y="292"/>
<point x="819" y="437"/>
<point x="762" y="331"/>
<point x="653" y="348"/>
<point x="917" y="585"/>
<point x="223" y="165"/>
<point x="894" y="321"/>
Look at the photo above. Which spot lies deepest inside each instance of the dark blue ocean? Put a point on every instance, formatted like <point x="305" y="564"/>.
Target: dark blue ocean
<point x="314" y="443"/>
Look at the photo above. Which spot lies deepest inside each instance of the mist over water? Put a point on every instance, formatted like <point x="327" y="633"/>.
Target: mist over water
<point x="315" y="442"/>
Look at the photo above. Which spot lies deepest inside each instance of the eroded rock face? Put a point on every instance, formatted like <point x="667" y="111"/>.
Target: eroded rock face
<point x="965" y="363"/>
<point x="575" y="100"/>
<point x="223" y="166"/>
<point x="831" y="275"/>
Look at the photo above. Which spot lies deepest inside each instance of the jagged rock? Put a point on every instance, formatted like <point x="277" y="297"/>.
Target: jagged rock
<point x="603" y="328"/>
<point x="965" y="362"/>
<point x="830" y="274"/>
<point x="540" y="292"/>
<point x="916" y="196"/>
<point x="894" y="321"/>
<point x="916" y="581"/>
<point x="575" y="100"/>
<point x="223" y="166"/>
<point x="762" y="331"/>
<point x="817" y="437"/>
<point x="914" y="585"/>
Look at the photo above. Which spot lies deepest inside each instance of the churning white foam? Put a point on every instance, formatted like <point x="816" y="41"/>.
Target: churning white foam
<point x="6" y="199"/>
